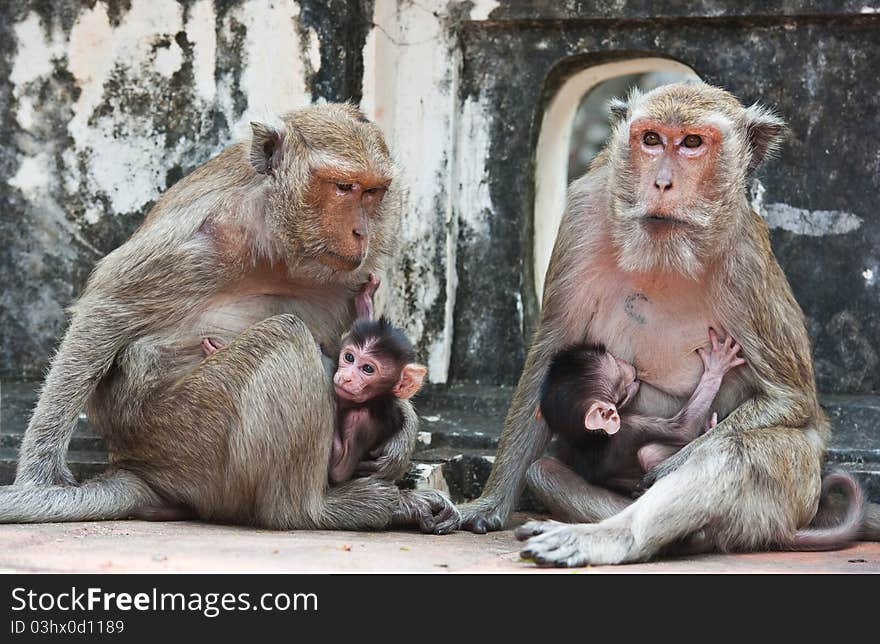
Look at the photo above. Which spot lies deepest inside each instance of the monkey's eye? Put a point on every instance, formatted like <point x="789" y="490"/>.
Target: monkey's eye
<point x="651" y="138"/>
<point x="344" y="187"/>
<point x="692" y="141"/>
<point x="368" y="368"/>
<point x="348" y="357"/>
<point x="374" y="191"/>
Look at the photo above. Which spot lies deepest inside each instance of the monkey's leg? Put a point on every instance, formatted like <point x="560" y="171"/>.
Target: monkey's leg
<point x="117" y="495"/>
<point x="747" y="490"/>
<point x="568" y="496"/>
<point x="278" y="441"/>
<point x="392" y="458"/>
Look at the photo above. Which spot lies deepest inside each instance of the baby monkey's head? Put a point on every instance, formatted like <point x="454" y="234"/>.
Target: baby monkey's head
<point x="584" y="388"/>
<point x="376" y="359"/>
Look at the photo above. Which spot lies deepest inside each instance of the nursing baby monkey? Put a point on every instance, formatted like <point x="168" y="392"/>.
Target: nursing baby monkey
<point x="583" y="402"/>
<point x="376" y="367"/>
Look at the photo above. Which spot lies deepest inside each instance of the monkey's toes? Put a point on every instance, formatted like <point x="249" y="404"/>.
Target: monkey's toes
<point x="533" y="528"/>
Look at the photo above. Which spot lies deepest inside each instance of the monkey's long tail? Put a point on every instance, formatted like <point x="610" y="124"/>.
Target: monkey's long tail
<point x="116" y="495"/>
<point x="848" y="530"/>
<point x="871" y="527"/>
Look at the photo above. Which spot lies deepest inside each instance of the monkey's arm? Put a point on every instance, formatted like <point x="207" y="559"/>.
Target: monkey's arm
<point x="83" y="358"/>
<point x="394" y="455"/>
<point x="525" y="437"/>
<point x="767" y="321"/>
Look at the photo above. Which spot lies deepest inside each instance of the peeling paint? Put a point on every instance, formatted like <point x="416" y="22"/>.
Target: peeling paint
<point x="815" y="223"/>
<point x="272" y="36"/>
<point x="482" y="8"/>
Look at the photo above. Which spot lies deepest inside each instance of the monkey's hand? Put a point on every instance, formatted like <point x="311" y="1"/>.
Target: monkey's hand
<point x="483" y="515"/>
<point x="389" y="462"/>
<point x="713" y="420"/>
<point x="44" y="472"/>
<point x="721" y="357"/>
<point x="432" y="511"/>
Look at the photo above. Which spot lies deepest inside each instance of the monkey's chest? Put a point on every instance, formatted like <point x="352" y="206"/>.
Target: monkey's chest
<point x="658" y="332"/>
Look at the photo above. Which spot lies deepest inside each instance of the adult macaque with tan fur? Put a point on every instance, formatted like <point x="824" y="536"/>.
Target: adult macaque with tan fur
<point x="659" y="243"/>
<point x="264" y="248"/>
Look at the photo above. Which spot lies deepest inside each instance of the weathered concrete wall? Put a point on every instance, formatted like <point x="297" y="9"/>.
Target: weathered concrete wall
<point x="818" y="196"/>
<point x="105" y="104"/>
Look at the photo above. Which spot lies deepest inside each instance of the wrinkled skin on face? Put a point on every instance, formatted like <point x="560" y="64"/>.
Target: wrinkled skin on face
<point x="348" y="204"/>
<point x="673" y="165"/>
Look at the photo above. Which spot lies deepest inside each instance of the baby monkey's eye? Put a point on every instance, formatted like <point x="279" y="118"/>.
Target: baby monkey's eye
<point x="343" y="187"/>
<point x="651" y="138"/>
<point x="348" y="357"/>
<point x="692" y="141"/>
<point x="368" y="368"/>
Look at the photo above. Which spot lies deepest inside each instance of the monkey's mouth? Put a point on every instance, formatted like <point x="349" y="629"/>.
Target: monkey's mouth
<point x="657" y="219"/>
<point x="342" y="392"/>
<point x="342" y="262"/>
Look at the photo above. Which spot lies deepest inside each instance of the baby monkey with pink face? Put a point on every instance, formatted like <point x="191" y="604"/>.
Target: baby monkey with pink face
<point x="376" y="366"/>
<point x="582" y="402"/>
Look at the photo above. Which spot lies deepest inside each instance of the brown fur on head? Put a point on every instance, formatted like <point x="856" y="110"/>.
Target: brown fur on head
<point x="331" y="177"/>
<point x="704" y="195"/>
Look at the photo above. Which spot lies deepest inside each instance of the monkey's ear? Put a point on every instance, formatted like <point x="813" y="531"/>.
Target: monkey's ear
<point x="602" y="415"/>
<point x="266" y="148"/>
<point x="619" y="109"/>
<point x="411" y="377"/>
<point x="764" y="132"/>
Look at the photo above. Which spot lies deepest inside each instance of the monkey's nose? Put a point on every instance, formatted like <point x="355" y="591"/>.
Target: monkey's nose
<point x="662" y="184"/>
<point x="359" y="232"/>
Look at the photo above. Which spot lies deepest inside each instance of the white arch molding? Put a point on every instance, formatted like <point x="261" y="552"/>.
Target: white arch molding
<point x="554" y="140"/>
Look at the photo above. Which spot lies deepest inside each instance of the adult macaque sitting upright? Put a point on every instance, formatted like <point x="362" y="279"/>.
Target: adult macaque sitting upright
<point x="264" y="248"/>
<point x="659" y="243"/>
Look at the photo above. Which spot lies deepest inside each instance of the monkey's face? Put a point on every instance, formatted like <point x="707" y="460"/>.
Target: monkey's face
<point x="620" y="380"/>
<point x="674" y="167"/>
<point x="345" y="207"/>
<point x="362" y="375"/>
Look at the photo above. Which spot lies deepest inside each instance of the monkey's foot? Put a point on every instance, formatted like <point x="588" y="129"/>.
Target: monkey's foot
<point x="551" y="543"/>
<point x="482" y="516"/>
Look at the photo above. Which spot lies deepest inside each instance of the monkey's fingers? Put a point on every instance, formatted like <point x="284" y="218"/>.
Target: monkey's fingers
<point x="365" y="468"/>
<point x="703" y="356"/>
<point x="713" y="339"/>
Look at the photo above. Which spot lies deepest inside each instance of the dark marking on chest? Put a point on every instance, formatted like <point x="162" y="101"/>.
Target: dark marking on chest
<point x="634" y="306"/>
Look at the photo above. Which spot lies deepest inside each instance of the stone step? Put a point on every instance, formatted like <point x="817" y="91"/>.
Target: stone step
<point x="461" y="426"/>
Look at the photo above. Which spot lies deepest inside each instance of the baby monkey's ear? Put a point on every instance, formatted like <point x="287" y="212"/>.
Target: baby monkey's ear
<point x="410" y="381"/>
<point x="602" y="415"/>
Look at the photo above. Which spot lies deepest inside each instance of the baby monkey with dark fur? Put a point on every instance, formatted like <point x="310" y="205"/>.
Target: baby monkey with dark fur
<point x="376" y="367"/>
<point x="583" y="399"/>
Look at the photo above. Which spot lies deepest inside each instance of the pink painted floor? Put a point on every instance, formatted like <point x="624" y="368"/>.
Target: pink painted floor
<point x="125" y="546"/>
